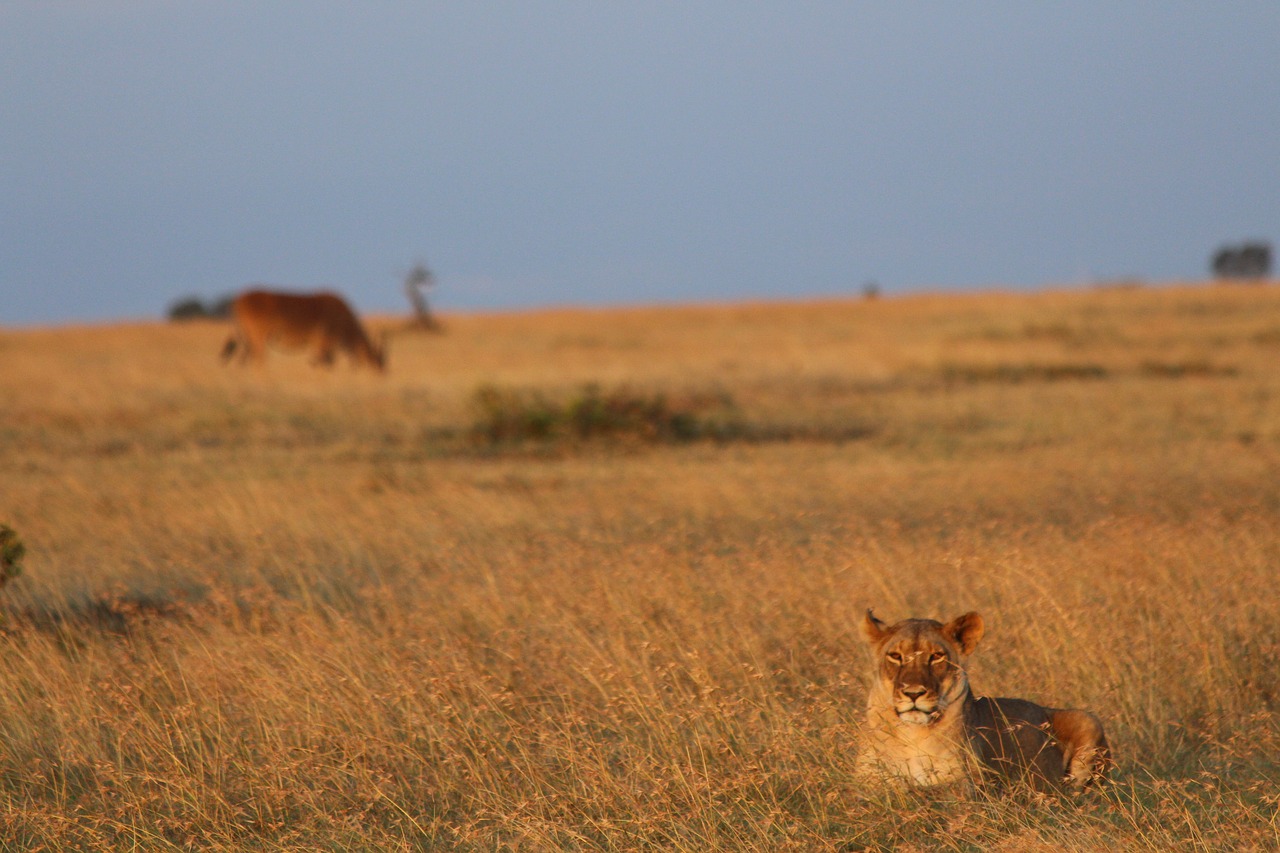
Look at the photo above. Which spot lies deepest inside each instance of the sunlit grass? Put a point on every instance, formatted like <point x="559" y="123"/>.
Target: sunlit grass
<point x="290" y="609"/>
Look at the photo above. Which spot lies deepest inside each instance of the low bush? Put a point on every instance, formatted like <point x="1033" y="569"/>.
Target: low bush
<point x="511" y="415"/>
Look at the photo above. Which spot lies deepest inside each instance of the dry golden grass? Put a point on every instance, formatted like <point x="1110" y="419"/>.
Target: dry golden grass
<point x="293" y="609"/>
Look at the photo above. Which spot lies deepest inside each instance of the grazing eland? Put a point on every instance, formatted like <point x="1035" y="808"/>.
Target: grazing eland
<point x="322" y="322"/>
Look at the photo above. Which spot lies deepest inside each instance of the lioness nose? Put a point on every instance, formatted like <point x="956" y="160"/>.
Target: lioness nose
<point x="915" y="691"/>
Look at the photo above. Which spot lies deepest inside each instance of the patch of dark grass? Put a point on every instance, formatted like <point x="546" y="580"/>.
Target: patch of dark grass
<point x="1186" y="369"/>
<point x="1021" y="373"/>
<point x="11" y="553"/>
<point x="119" y="614"/>
<point x="1267" y="337"/>
<point x="762" y="433"/>
<point x="1034" y="332"/>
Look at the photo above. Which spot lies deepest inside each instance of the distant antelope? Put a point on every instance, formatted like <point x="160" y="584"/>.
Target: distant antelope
<point x="321" y="321"/>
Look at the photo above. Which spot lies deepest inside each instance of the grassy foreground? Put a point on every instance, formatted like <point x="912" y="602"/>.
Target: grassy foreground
<point x="297" y="610"/>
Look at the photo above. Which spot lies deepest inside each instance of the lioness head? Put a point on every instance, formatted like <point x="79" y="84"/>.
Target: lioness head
<point x="919" y="664"/>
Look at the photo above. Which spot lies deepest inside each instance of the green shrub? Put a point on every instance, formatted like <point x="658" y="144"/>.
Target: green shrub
<point x="506" y="415"/>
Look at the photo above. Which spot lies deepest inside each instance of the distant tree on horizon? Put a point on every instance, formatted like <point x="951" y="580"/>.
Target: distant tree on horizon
<point x="416" y="283"/>
<point x="195" y="308"/>
<point x="1247" y="260"/>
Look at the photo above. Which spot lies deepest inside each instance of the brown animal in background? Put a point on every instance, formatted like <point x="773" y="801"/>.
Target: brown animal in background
<point x="321" y="321"/>
<point x="925" y="727"/>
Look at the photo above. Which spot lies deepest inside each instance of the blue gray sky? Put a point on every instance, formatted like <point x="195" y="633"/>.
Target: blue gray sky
<point x="540" y="153"/>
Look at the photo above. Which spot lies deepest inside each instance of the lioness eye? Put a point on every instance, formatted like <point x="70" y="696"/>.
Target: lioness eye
<point x="937" y="657"/>
<point x="894" y="657"/>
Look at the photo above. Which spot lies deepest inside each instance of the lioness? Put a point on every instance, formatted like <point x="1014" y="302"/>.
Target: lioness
<point x="925" y="727"/>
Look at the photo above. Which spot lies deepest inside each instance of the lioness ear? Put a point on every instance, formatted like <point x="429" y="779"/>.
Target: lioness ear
<point x="965" y="631"/>
<point x="873" y="629"/>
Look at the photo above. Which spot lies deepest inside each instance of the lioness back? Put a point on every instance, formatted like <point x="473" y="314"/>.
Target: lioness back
<point x="1014" y="737"/>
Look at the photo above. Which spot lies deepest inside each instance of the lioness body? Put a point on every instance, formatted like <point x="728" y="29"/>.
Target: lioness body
<point x="925" y="726"/>
<point x="322" y="322"/>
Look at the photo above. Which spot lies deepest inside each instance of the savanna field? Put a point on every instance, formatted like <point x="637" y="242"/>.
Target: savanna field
<point x="591" y="580"/>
